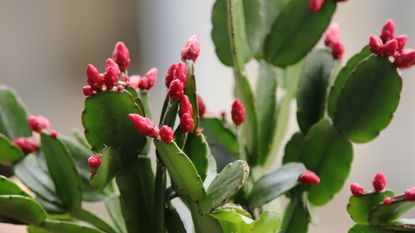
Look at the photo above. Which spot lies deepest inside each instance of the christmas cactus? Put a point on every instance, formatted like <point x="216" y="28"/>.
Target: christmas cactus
<point x="219" y="167"/>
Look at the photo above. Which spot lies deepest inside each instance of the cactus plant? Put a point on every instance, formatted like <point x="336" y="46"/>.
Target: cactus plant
<point x="218" y="168"/>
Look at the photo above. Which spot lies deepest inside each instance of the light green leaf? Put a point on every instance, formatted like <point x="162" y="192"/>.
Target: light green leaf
<point x="359" y="208"/>
<point x="22" y="209"/>
<point x="9" y="153"/>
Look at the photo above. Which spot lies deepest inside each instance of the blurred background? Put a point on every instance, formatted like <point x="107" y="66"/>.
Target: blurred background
<point x="46" y="44"/>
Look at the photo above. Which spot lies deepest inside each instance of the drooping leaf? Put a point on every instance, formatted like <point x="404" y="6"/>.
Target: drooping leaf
<point x="361" y="114"/>
<point x="384" y="213"/>
<point x="342" y="77"/>
<point x="181" y="169"/>
<point x="296" y="31"/>
<point x="89" y="217"/>
<point x="367" y="229"/>
<point x="268" y="222"/>
<point x="9" y="153"/>
<point x="21" y="209"/>
<point x="312" y="88"/>
<point x="197" y="149"/>
<point x="359" y="208"/>
<point x="13" y="115"/>
<point x="224" y="186"/>
<point x="7" y="187"/>
<point x="54" y="226"/>
<point x="276" y="183"/>
<point x="295" y="218"/>
<point x="62" y="171"/>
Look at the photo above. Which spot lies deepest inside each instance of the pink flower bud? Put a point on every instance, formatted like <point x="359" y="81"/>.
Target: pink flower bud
<point x="379" y="182"/>
<point x="357" y="189"/>
<point x="309" y="178"/>
<point x="405" y="59"/>
<point x="315" y="5"/>
<point x="94" y="161"/>
<point x="410" y="194"/>
<point x="238" y="112"/>
<point x="148" y="80"/>
<point x="390" y="48"/>
<point x="176" y="90"/>
<point x="110" y="78"/>
<point x="337" y="51"/>
<point x="166" y="134"/>
<point x="54" y="134"/>
<point x="121" y="56"/>
<point x="402" y="39"/>
<point x="201" y="105"/>
<point x="388" y="31"/>
<point x="332" y="35"/>
<point x="176" y="71"/>
<point x="28" y="145"/>
<point x="191" y="49"/>
<point x="134" y="81"/>
<point x="186" y="123"/>
<point x="185" y="106"/>
<point x="87" y="90"/>
<point x="387" y="201"/>
<point x="144" y="125"/>
<point x="94" y="79"/>
<point x="38" y="123"/>
<point x="375" y="44"/>
<point x="120" y="87"/>
<point x="111" y="63"/>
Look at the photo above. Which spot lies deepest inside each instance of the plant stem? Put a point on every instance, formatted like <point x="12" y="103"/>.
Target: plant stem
<point x="91" y="218"/>
<point x="160" y="198"/>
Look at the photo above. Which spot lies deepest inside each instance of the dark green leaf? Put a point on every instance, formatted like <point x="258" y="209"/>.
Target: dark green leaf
<point x="173" y="222"/>
<point x="56" y="226"/>
<point x="13" y="115"/>
<point x="190" y="91"/>
<point x="9" y="153"/>
<point x="295" y="218"/>
<point x="218" y="134"/>
<point x="111" y="165"/>
<point x="275" y="184"/>
<point x="224" y="186"/>
<point x="312" y="88"/>
<point x="253" y="20"/>
<point x="384" y="213"/>
<point x="88" y="217"/>
<point x="198" y="149"/>
<point x="293" y="149"/>
<point x="7" y="187"/>
<point x="21" y="209"/>
<point x="359" y="208"/>
<point x="342" y="77"/>
<point x="401" y="225"/>
<point x="361" y="114"/>
<point x="295" y="32"/>
<point x="367" y="229"/>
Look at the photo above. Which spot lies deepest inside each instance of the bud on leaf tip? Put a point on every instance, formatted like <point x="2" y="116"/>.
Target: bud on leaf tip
<point x="191" y="49"/>
<point x="388" y="31"/>
<point x="387" y="201"/>
<point x="94" y="161"/>
<point x="315" y="5"/>
<point x="309" y="178"/>
<point x="121" y="56"/>
<point x="148" y="80"/>
<point x="176" y="90"/>
<point x="379" y="182"/>
<point x="201" y="106"/>
<point x="28" y="145"/>
<point x="410" y="194"/>
<point x="166" y="134"/>
<point x="357" y="189"/>
<point x="38" y="123"/>
<point x="238" y="112"/>
<point x="186" y="123"/>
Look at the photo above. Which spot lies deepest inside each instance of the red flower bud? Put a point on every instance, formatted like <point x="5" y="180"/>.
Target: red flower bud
<point x="332" y="35"/>
<point x="238" y="112"/>
<point x="121" y="56"/>
<point x="176" y="71"/>
<point x="120" y="87"/>
<point x="38" y="123"/>
<point x="176" y="90"/>
<point x="186" y="123"/>
<point x="201" y="105"/>
<point x="390" y="48"/>
<point x="144" y="125"/>
<point x="375" y="44"/>
<point x="191" y="49"/>
<point x="54" y="134"/>
<point x="94" y="161"/>
<point x="337" y="51"/>
<point x="185" y="106"/>
<point x="402" y="39"/>
<point x="87" y="90"/>
<point x="405" y="59"/>
<point x="28" y="145"/>
<point x="387" y="201"/>
<point x="410" y="194"/>
<point x="379" y="182"/>
<point x="166" y="134"/>
<point x="148" y="80"/>
<point x="94" y="79"/>
<point x="110" y="78"/>
<point x="315" y="5"/>
<point x="111" y="63"/>
<point x="134" y="81"/>
<point x="388" y="31"/>
<point x="309" y="178"/>
<point x="357" y="189"/>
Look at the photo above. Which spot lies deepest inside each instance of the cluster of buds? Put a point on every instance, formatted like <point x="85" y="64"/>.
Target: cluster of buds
<point x="237" y="112"/>
<point x="191" y="49"/>
<point x="186" y="115"/>
<point x="27" y="145"/>
<point x="147" y="128"/>
<point x="176" y="80"/>
<point x="38" y="123"/>
<point x="145" y="82"/>
<point x="309" y="178"/>
<point x="315" y="5"/>
<point x="332" y="40"/>
<point x="387" y="45"/>
<point x="378" y="183"/>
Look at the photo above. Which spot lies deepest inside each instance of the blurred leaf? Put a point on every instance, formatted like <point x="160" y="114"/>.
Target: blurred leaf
<point x="13" y="115"/>
<point x="173" y="221"/>
<point x="9" y="153"/>
<point x="212" y="171"/>
<point x="233" y="219"/>
<point x="113" y="207"/>
<point x="359" y="208"/>
<point x="295" y="218"/>
<point x="269" y="222"/>
<point x="293" y="149"/>
<point x="367" y="229"/>
<point x="361" y="114"/>
<point x="7" y="187"/>
<point x="22" y="209"/>
<point x="274" y="184"/>
<point x="56" y="226"/>
<point x="181" y="169"/>
<point x="296" y="31"/>
<point x="224" y="186"/>
<point x="312" y="88"/>
<point x="204" y="223"/>
<point x="111" y="165"/>
<point x="89" y="217"/>
<point x="62" y="171"/>
<point x="197" y="149"/>
<point x="383" y="213"/>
